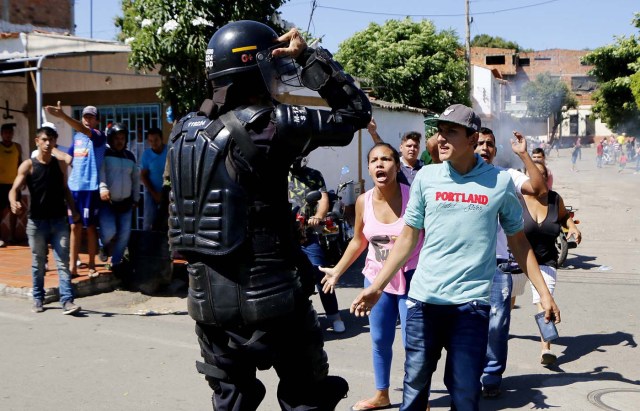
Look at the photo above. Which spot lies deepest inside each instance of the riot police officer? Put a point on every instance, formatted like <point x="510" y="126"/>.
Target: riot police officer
<point x="249" y="283"/>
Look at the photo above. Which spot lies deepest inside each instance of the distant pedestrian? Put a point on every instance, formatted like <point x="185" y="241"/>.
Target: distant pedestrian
<point x="623" y="162"/>
<point x="599" y="154"/>
<point x="10" y="159"/>
<point x="153" y="163"/>
<point x="637" y="160"/>
<point x="45" y="177"/>
<point x="574" y="157"/>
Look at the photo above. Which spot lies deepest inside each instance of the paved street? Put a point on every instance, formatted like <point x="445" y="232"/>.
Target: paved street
<point x="113" y="358"/>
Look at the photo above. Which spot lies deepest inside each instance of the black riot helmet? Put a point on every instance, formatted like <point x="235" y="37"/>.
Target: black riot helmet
<point x="232" y="50"/>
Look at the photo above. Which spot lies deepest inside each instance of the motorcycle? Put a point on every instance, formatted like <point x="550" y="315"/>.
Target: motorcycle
<point x="564" y="243"/>
<point x="334" y="232"/>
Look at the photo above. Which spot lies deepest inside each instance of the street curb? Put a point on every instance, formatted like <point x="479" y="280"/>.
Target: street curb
<point x="104" y="283"/>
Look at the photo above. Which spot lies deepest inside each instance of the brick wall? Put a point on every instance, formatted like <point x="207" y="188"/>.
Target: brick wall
<point x="41" y="13"/>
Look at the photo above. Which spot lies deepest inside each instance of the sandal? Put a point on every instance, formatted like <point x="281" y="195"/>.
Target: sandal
<point x="363" y="405"/>
<point x="93" y="273"/>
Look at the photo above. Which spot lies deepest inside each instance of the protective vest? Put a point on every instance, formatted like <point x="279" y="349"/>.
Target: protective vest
<point x="208" y="209"/>
<point x="241" y="270"/>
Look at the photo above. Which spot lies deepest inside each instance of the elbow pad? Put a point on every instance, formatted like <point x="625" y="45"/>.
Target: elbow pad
<point x="305" y="129"/>
<point x="323" y="74"/>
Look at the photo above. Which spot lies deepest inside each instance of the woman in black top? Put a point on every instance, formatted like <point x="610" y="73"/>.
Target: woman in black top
<point x="544" y="217"/>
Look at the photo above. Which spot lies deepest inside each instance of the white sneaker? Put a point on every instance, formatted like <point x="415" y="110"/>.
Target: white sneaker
<point x="338" y="326"/>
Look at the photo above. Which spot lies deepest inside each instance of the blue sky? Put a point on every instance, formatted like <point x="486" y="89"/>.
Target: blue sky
<point x="535" y="24"/>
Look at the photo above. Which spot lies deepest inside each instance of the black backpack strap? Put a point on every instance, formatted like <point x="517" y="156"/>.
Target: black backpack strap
<point x="241" y="136"/>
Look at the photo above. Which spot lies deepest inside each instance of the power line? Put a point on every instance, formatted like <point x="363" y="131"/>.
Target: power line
<point x="314" y="4"/>
<point x="437" y="15"/>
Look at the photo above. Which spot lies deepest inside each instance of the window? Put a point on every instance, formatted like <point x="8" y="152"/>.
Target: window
<point x="583" y="83"/>
<point x="542" y="58"/>
<point x="524" y="62"/>
<point x="573" y="124"/>
<point x="494" y="60"/>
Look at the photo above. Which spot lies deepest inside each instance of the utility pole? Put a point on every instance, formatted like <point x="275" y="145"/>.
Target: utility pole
<point x="467" y="51"/>
<point x="91" y="17"/>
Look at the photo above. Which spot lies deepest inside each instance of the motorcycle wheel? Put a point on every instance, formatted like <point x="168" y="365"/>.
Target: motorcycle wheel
<point x="563" y="248"/>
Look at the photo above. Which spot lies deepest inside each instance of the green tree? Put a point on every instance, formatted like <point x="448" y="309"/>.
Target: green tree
<point x="616" y="68"/>
<point x="547" y="96"/>
<point x="407" y="62"/>
<point x="485" y="40"/>
<point x="172" y="36"/>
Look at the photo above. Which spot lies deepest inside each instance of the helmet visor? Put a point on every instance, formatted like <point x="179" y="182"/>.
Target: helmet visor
<point x="280" y="74"/>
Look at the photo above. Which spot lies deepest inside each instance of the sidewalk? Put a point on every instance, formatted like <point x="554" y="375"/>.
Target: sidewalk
<point x="15" y="275"/>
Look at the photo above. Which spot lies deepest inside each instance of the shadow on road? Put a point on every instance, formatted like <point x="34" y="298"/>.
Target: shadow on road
<point x="520" y="391"/>
<point x="579" y="346"/>
<point x="579" y="262"/>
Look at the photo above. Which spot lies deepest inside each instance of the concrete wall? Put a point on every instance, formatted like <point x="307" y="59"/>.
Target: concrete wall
<point x="391" y="126"/>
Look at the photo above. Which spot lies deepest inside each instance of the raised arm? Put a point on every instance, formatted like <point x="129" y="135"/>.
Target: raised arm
<point x="372" y="128"/>
<point x="536" y="186"/>
<point x="77" y="125"/>
<point x="306" y="128"/>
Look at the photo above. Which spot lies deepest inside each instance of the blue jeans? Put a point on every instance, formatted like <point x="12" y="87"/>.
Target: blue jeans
<point x="499" y="320"/>
<point x="382" y="327"/>
<point x="115" y="229"/>
<point x="315" y="253"/>
<point x="150" y="212"/>
<point x="41" y="233"/>
<point x="460" y="329"/>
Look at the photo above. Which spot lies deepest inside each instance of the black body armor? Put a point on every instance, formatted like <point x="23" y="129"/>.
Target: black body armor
<point x="229" y="213"/>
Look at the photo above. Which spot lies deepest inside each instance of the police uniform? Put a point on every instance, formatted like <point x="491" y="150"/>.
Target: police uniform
<point x="249" y="283"/>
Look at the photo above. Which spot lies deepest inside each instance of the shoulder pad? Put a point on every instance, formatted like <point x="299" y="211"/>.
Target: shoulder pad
<point x="193" y="123"/>
<point x="177" y="128"/>
<point x="250" y="114"/>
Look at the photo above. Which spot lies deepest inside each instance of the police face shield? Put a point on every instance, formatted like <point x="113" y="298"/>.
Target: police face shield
<point x="281" y="75"/>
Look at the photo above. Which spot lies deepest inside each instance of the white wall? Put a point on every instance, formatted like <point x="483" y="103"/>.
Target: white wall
<point x="482" y="91"/>
<point x="391" y="126"/>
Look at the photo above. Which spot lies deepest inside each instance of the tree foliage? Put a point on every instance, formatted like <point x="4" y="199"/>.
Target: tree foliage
<point x="548" y="96"/>
<point x="172" y="36"/>
<point x="485" y="40"/>
<point x="617" y="70"/>
<point x="407" y="62"/>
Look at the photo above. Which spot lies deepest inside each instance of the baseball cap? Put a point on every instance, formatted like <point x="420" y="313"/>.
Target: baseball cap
<point x="90" y="110"/>
<point x="461" y="115"/>
<point x="50" y="125"/>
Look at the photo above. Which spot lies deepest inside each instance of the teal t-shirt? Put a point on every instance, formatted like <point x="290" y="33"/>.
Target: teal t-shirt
<point x="459" y="214"/>
<point x="154" y="162"/>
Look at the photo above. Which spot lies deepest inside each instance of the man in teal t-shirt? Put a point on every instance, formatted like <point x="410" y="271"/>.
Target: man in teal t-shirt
<point x="153" y="162"/>
<point x="458" y="203"/>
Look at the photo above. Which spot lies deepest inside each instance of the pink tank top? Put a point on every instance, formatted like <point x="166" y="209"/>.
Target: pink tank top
<point x="381" y="238"/>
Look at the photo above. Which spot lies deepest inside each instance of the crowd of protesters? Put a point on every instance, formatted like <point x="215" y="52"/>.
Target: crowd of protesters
<point x="93" y="187"/>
